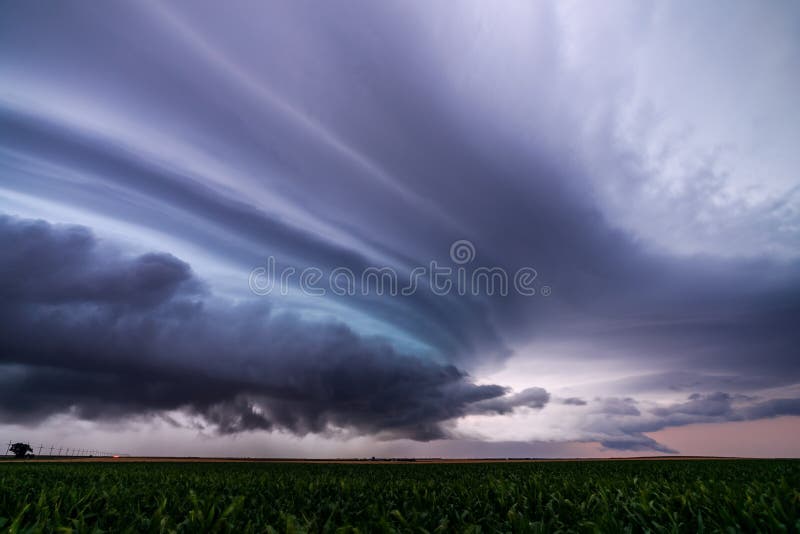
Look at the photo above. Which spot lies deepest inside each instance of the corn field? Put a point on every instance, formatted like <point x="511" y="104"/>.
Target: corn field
<point x="591" y="496"/>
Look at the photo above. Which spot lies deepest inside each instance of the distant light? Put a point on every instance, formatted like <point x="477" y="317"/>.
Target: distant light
<point x="115" y="456"/>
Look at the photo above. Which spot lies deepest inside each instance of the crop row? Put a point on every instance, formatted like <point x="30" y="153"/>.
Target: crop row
<point x="607" y="496"/>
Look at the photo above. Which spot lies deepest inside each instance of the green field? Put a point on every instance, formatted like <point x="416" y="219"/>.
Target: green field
<point x="597" y="496"/>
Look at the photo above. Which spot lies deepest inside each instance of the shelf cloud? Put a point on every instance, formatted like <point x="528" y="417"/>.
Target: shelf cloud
<point x="643" y="175"/>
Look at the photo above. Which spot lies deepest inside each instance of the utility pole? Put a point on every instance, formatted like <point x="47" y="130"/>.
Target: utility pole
<point x="51" y="449"/>
<point x="40" y="450"/>
<point x="8" y="448"/>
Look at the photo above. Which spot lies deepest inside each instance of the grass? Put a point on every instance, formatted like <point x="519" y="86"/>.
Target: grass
<point x="603" y="496"/>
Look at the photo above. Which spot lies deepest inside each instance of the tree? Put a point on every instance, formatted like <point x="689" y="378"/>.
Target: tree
<point x="21" y="450"/>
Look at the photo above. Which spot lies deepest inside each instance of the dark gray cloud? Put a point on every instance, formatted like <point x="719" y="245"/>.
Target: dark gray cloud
<point x="534" y="397"/>
<point x="90" y="332"/>
<point x="623" y="426"/>
<point x="40" y="265"/>
<point x="720" y="406"/>
<point x="713" y="405"/>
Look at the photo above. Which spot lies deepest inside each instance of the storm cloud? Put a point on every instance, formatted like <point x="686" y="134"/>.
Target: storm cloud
<point x="98" y="335"/>
<point x="622" y="424"/>
<point x="648" y="178"/>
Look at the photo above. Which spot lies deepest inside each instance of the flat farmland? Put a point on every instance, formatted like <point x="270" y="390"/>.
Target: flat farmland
<point x="197" y="495"/>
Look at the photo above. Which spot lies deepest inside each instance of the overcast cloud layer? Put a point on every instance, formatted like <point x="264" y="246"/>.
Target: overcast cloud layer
<point x="642" y="159"/>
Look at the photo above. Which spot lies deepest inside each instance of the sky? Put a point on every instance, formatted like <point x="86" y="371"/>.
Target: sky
<point x="354" y="229"/>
